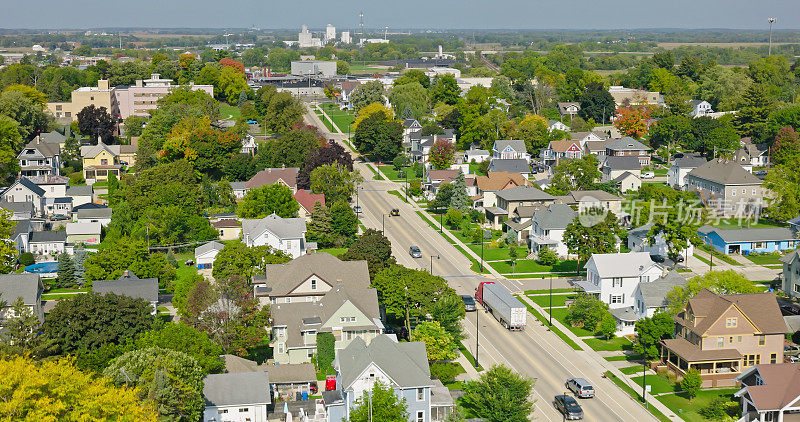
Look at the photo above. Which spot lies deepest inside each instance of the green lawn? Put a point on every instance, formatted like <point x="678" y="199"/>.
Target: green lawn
<point x="434" y="226"/>
<point x="67" y="290"/>
<point x="561" y="315"/>
<point x="632" y="370"/>
<point x="343" y="118"/>
<point x="547" y="291"/>
<point x="531" y="266"/>
<point x="360" y="68"/>
<point x="491" y="254"/>
<point x="46" y="296"/>
<point x="333" y="251"/>
<point x="468" y="355"/>
<point x="473" y="169"/>
<point x="688" y="409"/>
<point x="553" y="328"/>
<point x="629" y="358"/>
<point x="397" y="194"/>
<point x="766" y="259"/>
<point x="746" y="223"/>
<point x="703" y="260"/>
<point x="636" y="396"/>
<point x="391" y="173"/>
<point x="558" y="300"/>
<point x="616" y="344"/>
<point x="717" y="254"/>
<point x="657" y="383"/>
<point x="226" y="110"/>
<point x="327" y="123"/>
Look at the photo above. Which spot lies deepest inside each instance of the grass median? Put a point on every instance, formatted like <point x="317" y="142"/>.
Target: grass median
<point x="553" y="328"/>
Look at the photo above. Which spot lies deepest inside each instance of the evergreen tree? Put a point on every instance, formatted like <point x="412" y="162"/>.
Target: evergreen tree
<point x="66" y="271"/>
<point x="751" y="120"/>
<point x="319" y="229"/>
<point x="242" y="97"/>
<point x="408" y="113"/>
<point x="79" y="257"/>
<point x="21" y="333"/>
<point x="344" y="222"/>
<point x="460" y="199"/>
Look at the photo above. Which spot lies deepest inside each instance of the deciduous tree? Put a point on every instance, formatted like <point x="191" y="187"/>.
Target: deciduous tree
<point x="372" y="246"/>
<point x="366" y="94"/>
<point x="97" y="122"/>
<point x="379" y="404"/>
<point x="784" y="183"/>
<point x="335" y="181"/>
<point x="650" y="332"/>
<point x="267" y="200"/>
<point x="632" y="121"/>
<point x="188" y="340"/>
<point x="441" y="154"/>
<point x="439" y="344"/>
<point x="499" y="395"/>
<point x="719" y="282"/>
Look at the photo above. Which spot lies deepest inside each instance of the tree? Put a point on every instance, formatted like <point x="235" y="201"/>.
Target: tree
<point x="66" y="271"/>
<point x="335" y="181"/>
<point x="319" y="228"/>
<point x="574" y="174"/>
<point x="230" y="85"/>
<point x="443" y="198"/>
<point x="188" y="340"/>
<point x="607" y="326"/>
<point x="279" y="111"/>
<point x="499" y="395"/>
<point x="331" y="153"/>
<point x="719" y="282"/>
<point x="784" y="183"/>
<point x="10" y="143"/>
<point x="439" y="343"/>
<point x="445" y="89"/>
<point x="168" y="184"/>
<point x="30" y="117"/>
<point x="196" y="141"/>
<point x="379" y="135"/>
<point x="409" y="96"/>
<point x="593" y="231"/>
<point x="448" y="311"/>
<point x="84" y="322"/>
<point x="677" y="232"/>
<point x="366" y="94"/>
<point x="290" y="149"/>
<point x="713" y="136"/>
<point x="586" y="311"/>
<point x="670" y="131"/>
<point x="441" y="154"/>
<point x="57" y="390"/>
<point x="344" y="222"/>
<point x="78" y="261"/>
<point x="534" y="131"/>
<point x="691" y="383"/>
<point x="632" y="121"/>
<point x="751" y="120"/>
<point x="267" y="200"/>
<point x="21" y="333"/>
<point x="8" y="251"/>
<point x="460" y="199"/>
<point x="649" y="333"/>
<point x="97" y="122"/>
<point x="786" y="147"/>
<point x="596" y="103"/>
<point x="372" y="246"/>
<point x="127" y="254"/>
<point x="236" y="258"/>
<point x="379" y="404"/>
<point x="170" y="379"/>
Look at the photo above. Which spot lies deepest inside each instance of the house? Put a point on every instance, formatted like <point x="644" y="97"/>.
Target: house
<point x="629" y="147"/>
<point x="583" y="200"/>
<point x="401" y="366"/>
<point x="347" y="88"/>
<point x="794" y="224"/>
<point x="584" y="137"/>
<point x="287" y="235"/>
<point x="20" y="235"/>
<point x="476" y="155"/>
<point x="746" y="241"/>
<point x="635" y="97"/>
<point x="770" y="392"/>
<point x="248" y="145"/>
<point x="307" y="201"/>
<point x="723" y="335"/>
<point x="726" y="188"/>
<point x="285" y="381"/>
<point x="421" y="146"/>
<point x="596" y="148"/>
<point x="94" y="215"/>
<point x="29" y="287"/>
<point x="699" y="108"/>
<point x="308" y="278"/>
<point x="205" y="254"/>
<point x="548" y="226"/>
<point x="613" y="277"/>
<point x="570" y="109"/>
<point x="556" y="151"/>
<point x="638" y="241"/>
<point x="53" y="186"/>
<point x="790" y="277"/>
<point x="520" y="222"/>
<point x="347" y="314"/>
<point x="681" y="166"/>
<point x="228" y="228"/>
<point x="614" y="167"/>
<point x="239" y="189"/>
<point x="627" y="181"/>
<point x="19" y="210"/>
<point x="128" y="284"/>
<point x="38" y="158"/>
<point x="23" y="190"/>
<point x="511" y="198"/>
<point x="56" y="206"/>
<point x="436" y="178"/>
<point x="648" y="298"/>
<point x="286" y="176"/>
<point x="81" y="194"/>
<point x="510" y="149"/>
<point x="53" y="138"/>
<point x="236" y="397"/>
<point x="51" y="243"/>
<point x="750" y="155"/>
<point x="410" y="126"/>
<point x="101" y="160"/>
<point x="510" y="165"/>
<point x="85" y="233"/>
<point x="494" y="181"/>
<point x="553" y="125"/>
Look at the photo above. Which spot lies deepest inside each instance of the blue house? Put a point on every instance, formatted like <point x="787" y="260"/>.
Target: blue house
<point x="745" y="241"/>
<point x="402" y="366"/>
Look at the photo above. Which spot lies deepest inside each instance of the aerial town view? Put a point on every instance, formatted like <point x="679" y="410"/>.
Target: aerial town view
<point x="410" y="212"/>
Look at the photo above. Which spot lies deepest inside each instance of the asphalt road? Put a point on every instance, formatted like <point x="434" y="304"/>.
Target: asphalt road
<point x="534" y="352"/>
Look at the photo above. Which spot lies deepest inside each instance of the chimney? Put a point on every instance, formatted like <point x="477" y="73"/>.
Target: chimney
<point x="664" y="271"/>
<point x="139" y="83"/>
<point x="102" y="84"/>
<point x="338" y="281"/>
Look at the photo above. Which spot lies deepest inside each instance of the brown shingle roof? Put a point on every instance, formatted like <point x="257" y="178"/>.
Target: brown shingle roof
<point x="760" y="308"/>
<point x="781" y="386"/>
<point x="692" y="353"/>
<point x="273" y="175"/>
<point x="498" y="180"/>
<point x="283" y="278"/>
<point x="564" y="145"/>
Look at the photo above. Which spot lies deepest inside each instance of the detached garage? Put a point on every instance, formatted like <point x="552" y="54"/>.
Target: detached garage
<point x="205" y="255"/>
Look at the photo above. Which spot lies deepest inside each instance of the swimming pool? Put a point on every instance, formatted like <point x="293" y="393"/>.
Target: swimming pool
<point x="42" y="268"/>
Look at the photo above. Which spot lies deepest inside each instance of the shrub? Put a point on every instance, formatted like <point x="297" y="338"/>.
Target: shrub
<point x="453" y="218"/>
<point x="720" y="408"/>
<point x="691" y="383"/>
<point x="445" y="371"/>
<point x="25" y="259"/>
<point x="76" y="178"/>
<point x="547" y="256"/>
<point x="325" y="353"/>
<point x="667" y="373"/>
<point x="586" y="311"/>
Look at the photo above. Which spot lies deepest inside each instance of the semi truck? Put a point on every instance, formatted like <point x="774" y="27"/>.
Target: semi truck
<point x="507" y="309"/>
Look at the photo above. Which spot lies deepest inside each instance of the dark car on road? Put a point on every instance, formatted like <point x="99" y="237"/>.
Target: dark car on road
<point x="469" y="303"/>
<point x="569" y="407"/>
<point x="394" y="212"/>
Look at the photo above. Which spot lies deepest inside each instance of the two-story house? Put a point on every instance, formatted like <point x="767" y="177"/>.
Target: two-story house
<point x="286" y="176"/>
<point x="346" y="314"/>
<point x="648" y="298"/>
<point x="548" y="226"/>
<point x="770" y="392"/>
<point x="100" y="161"/>
<point x="556" y="151"/>
<point x="496" y="181"/>
<point x="722" y="335"/>
<point x="237" y="397"/>
<point x="39" y="158"/>
<point x="307" y="202"/>
<point x="790" y="278"/>
<point x="128" y="284"/>
<point x="401" y="366"/>
<point x="615" y="167"/>
<point x="750" y="154"/>
<point x="583" y="200"/>
<point x="613" y="277"/>
<point x="629" y="147"/>
<point x="681" y="166"/>
<point x="569" y="109"/>
<point x="510" y="149"/>
<point x="509" y="199"/>
<point x="308" y="278"/>
<point x="287" y="235"/>
<point x="29" y="287"/>
<point x="639" y="241"/>
<point x="699" y="108"/>
<point x="23" y="190"/>
<point x="553" y="125"/>
<point x="726" y="188"/>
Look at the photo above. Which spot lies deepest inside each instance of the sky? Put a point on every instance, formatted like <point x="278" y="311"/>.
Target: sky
<point x="434" y="14"/>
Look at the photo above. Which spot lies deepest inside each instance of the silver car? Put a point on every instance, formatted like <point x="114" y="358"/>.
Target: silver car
<point x="415" y="252"/>
<point x="580" y="387"/>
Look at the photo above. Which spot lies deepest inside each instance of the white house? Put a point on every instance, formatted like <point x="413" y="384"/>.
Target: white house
<point x="556" y="125"/>
<point x="681" y="166"/>
<point x="613" y="277"/>
<point x="628" y="181"/>
<point x="38" y="158"/>
<point x="284" y="234"/>
<point x="236" y="397"/>
<point x="94" y="215"/>
<point x="510" y="149"/>
<point x="23" y="190"/>
<point x="648" y="298"/>
<point x="205" y="254"/>
<point x="47" y="243"/>
<point x="548" y="226"/>
<point x="248" y="145"/>
<point x="479" y="155"/>
<point x="699" y="108"/>
<point x="638" y="242"/>
<point x="80" y="195"/>
<point x="53" y="186"/>
<point x="26" y="286"/>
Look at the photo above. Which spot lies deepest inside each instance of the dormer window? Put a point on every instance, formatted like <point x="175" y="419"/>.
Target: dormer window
<point x="313" y="284"/>
<point x="730" y="322"/>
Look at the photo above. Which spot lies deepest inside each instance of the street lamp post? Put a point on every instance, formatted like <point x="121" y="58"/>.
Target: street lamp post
<point x="550" y="323"/>
<point x="644" y="379"/>
<point x="477" y="336"/>
<point x="771" y="21"/>
<point x="383" y="223"/>
<point x="486" y="235"/>
<point x="441" y="221"/>
<point x="432" y="256"/>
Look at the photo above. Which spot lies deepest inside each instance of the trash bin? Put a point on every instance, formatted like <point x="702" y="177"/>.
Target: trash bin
<point x="305" y="395"/>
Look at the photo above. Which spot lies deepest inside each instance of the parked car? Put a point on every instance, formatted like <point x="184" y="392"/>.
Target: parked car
<point x="357" y="209"/>
<point x="580" y="387"/>
<point x="657" y="258"/>
<point x="415" y="252"/>
<point x="59" y="217"/>
<point x="569" y="407"/>
<point x="648" y="174"/>
<point x="760" y="173"/>
<point x="469" y="303"/>
<point x="252" y="122"/>
<point x="791" y="350"/>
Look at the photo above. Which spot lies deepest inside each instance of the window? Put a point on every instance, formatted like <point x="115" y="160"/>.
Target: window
<point x="313" y="284"/>
<point x="739" y="339"/>
<point x="352" y="319"/>
<point x="773" y="358"/>
<point x="616" y="282"/>
<point x="343" y="319"/>
<point x="642" y="279"/>
<point x="221" y="411"/>
<point x="720" y="341"/>
<point x="616" y="299"/>
<point x="754" y="191"/>
<point x="420" y="416"/>
<point x="758" y="245"/>
<point x="244" y="410"/>
<point x="797" y="288"/>
<point x="733" y="192"/>
<point x="287" y="300"/>
<point x="744" y="191"/>
<point x="730" y="322"/>
<point x="420" y="394"/>
<point x="761" y="339"/>
<point x="279" y="348"/>
<point x="730" y="339"/>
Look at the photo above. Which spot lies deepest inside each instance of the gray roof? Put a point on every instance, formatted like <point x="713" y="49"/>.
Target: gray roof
<point x="654" y="293"/>
<point x="404" y="363"/>
<point x="524" y="193"/>
<point x="22" y="227"/>
<point x="753" y="235"/>
<point x="238" y="185"/>
<point x="30" y="185"/>
<point x="511" y="165"/>
<point x="630" y="264"/>
<point x="26" y="286"/>
<point x="577" y="196"/>
<point x="52" y="137"/>
<point x="556" y="216"/>
<point x="47" y="150"/>
<point x="18" y="207"/>
<point x="724" y="172"/>
<point x="624" y="314"/>
<point x="624" y="176"/>
<point x="94" y="213"/>
<point x="207" y="247"/>
<point x="789" y="257"/>
<point x="516" y="144"/>
<point x="49" y="236"/>
<point x="291" y="373"/>
<point x="80" y="190"/>
<point x="689" y="161"/>
<point x="284" y="228"/>
<point x="626" y="144"/>
<point x="129" y="285"/>
<point x="622" y="163"/>
<point x="245" y="388"/>
<point x="283" y="278"/>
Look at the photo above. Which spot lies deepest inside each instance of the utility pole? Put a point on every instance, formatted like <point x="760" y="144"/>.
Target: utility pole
<point x="771" y="21"/>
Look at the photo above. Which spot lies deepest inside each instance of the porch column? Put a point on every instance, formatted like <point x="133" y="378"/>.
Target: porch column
<point x="714" y="367"/>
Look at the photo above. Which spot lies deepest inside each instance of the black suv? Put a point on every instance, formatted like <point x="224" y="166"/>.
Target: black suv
<point x="569" y="407"/>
